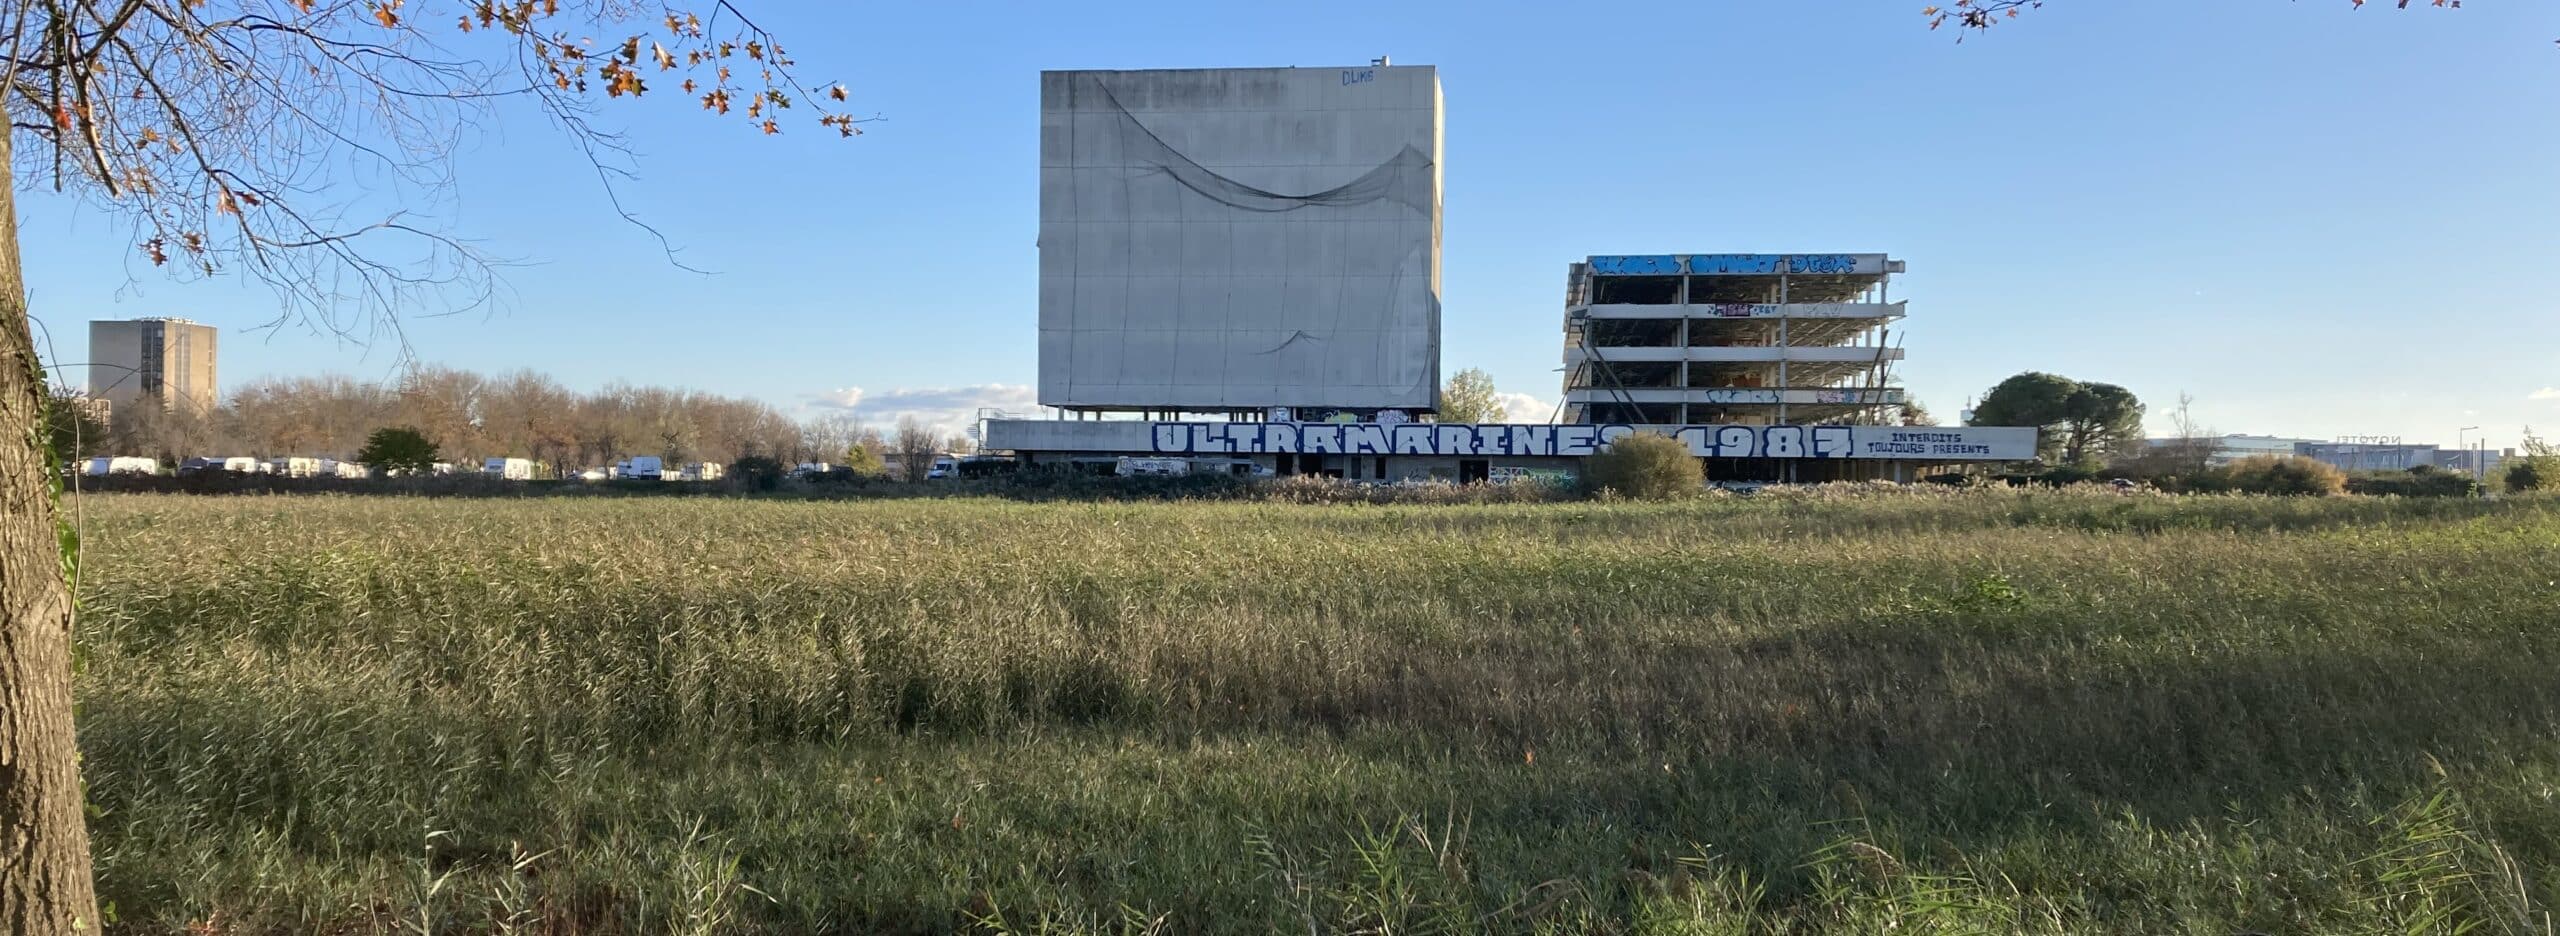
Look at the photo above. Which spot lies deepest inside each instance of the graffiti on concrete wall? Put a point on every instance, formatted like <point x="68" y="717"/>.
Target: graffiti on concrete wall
<point x="1571" y="441"/>
<point x="1646" y="265"/>
<point x="1726" y="264"/>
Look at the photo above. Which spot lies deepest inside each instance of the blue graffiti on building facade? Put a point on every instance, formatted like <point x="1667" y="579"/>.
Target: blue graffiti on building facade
<point x="1523" y="441"/>
<point x="1711" y="264"/>
<point x="1353" y="76"/>
<point x="1491" y="440"/>
<point x="1649" y="265"/>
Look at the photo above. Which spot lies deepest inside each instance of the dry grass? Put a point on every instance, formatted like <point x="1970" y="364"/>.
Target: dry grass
<point x="1839" y="711"/>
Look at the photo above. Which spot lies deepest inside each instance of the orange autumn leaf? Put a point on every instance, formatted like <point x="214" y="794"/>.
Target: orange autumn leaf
<point x="836" y="92"/>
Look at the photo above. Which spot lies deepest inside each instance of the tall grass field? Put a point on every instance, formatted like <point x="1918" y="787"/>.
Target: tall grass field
<point x="1826" y="711"/>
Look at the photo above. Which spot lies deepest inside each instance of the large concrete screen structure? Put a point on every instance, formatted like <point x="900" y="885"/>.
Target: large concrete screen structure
<point x="1240" y="239"/>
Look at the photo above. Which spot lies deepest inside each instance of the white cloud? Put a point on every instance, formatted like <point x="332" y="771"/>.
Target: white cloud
<point x="2546" y="393"/>
<point x="1525" y="408"/>
<point x="846" y="398"/>
<point x="949" y="410"/>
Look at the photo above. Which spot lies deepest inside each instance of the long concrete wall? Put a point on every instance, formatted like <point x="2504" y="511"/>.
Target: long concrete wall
<point x="1240" y="238"/>
<point x="1449" y="440"/>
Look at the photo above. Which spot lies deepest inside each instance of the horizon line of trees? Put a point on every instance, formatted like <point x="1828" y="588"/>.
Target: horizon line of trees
<point x="470" y="416"/>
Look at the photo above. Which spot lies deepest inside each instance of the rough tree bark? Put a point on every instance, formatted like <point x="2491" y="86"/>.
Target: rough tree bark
<point x="44" y="843"/>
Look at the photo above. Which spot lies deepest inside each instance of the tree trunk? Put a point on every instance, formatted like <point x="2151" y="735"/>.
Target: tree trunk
<point x="44" y="844"/>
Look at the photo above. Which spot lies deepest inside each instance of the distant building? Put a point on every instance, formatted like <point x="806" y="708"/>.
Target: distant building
<point x="1240" y="274"/>
<point x="2236" y="446"/>
<point x="166" y="361"/>
<point x="2482" y="462"/>
<point x="2369" y="456"/>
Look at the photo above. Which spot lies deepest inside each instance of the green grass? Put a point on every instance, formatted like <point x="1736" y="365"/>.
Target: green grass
<point x="1840" y="712"/>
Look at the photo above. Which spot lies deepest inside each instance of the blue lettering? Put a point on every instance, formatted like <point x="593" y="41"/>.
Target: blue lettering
<point x="1536" y="440"/>
<point x="1782" y="441"/>
<point x="1737" y="442"/>
<point x="1654" y="265"/>
<point x="1832" y="442"/>
<point x="1413" y="440"/>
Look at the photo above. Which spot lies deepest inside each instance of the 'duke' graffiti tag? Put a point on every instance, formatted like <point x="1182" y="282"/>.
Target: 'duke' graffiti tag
<point x="1353" y="76"/>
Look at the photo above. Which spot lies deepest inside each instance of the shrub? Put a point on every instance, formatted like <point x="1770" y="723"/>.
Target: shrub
<point x="1646" y="466"/>
<point x="2421" y="481"/>
<point x="757" y="472"/>
<point x="2532" y="474"/>
<point x="399" y="450"/>
<point x="2279" y="474"/>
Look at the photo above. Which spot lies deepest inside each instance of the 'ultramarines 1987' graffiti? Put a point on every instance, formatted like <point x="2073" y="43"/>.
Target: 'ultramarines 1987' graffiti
<point x="1970" y="443"/>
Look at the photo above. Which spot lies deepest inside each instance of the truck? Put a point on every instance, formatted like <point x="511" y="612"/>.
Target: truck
<point x="511" y="469"/>
<point x="104" y="465"/>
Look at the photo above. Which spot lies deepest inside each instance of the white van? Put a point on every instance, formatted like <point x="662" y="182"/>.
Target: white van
<point x="121" y="464"/>
<point x="641" y="468"/>
<point x="1153" y="467"/>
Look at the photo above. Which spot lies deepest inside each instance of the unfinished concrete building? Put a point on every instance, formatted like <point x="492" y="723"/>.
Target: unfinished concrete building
<point x="1731" y="339"/>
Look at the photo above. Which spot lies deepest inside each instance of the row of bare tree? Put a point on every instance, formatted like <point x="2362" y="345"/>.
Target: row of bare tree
<point x="520" y="415"/>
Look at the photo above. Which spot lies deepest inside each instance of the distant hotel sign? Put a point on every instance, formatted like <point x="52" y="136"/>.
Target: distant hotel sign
<point x="1712" y="264"/>
<point x="1970" y="443"/>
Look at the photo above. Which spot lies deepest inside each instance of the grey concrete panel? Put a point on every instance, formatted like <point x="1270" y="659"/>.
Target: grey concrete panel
<point x="1208" y="250"/>
<point x="1307" y="272"/>
<point x="1056" y="343"/>
<point x="1154" y="304"/>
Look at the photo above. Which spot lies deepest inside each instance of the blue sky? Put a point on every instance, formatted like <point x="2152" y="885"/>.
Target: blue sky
<point x="2319" y="221"/>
